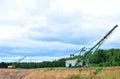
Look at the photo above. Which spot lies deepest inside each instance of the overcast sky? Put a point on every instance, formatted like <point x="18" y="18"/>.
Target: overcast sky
<point x="51" y="29"/>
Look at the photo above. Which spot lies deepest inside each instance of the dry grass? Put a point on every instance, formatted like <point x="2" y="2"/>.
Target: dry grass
<point x="51" y="74"/>
<point x="72" y="73"/>
<point x="12" y="74"/>
<point x="111" y="73"/>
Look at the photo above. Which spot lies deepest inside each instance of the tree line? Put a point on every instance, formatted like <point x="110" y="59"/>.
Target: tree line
<point x="27" y="65"/>
<point x="109" y="57"/>
<point x="101" y="57"/>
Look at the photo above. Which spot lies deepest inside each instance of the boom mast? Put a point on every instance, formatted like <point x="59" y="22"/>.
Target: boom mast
<point x="102" y="40"/>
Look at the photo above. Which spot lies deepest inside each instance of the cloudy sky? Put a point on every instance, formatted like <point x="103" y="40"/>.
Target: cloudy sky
<point x="51" y="29"/>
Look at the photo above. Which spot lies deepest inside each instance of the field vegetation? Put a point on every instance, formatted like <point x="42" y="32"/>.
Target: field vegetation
<point x="62" y="73"/>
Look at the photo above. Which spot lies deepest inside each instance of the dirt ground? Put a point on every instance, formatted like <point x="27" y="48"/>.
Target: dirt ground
<point x="13" y="74"/>
<point x="51" y="73"/>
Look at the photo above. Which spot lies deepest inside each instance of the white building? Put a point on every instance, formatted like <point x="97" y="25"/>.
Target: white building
<point x="74" y="63"/>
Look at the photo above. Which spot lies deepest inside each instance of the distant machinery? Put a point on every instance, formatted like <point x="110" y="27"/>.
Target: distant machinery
<point x="83" y="57"/>
<point x="15" y="64"/>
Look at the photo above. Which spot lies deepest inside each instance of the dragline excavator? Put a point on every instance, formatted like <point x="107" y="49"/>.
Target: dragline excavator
<point x="83" y="57"/>
<point x="15" y="64"/>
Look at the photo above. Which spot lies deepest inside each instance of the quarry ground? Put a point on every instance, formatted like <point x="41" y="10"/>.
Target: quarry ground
<point x="62" y="73"/>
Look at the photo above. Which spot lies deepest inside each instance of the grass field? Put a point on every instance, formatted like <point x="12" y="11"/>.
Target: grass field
<point x="62" y="73"/>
